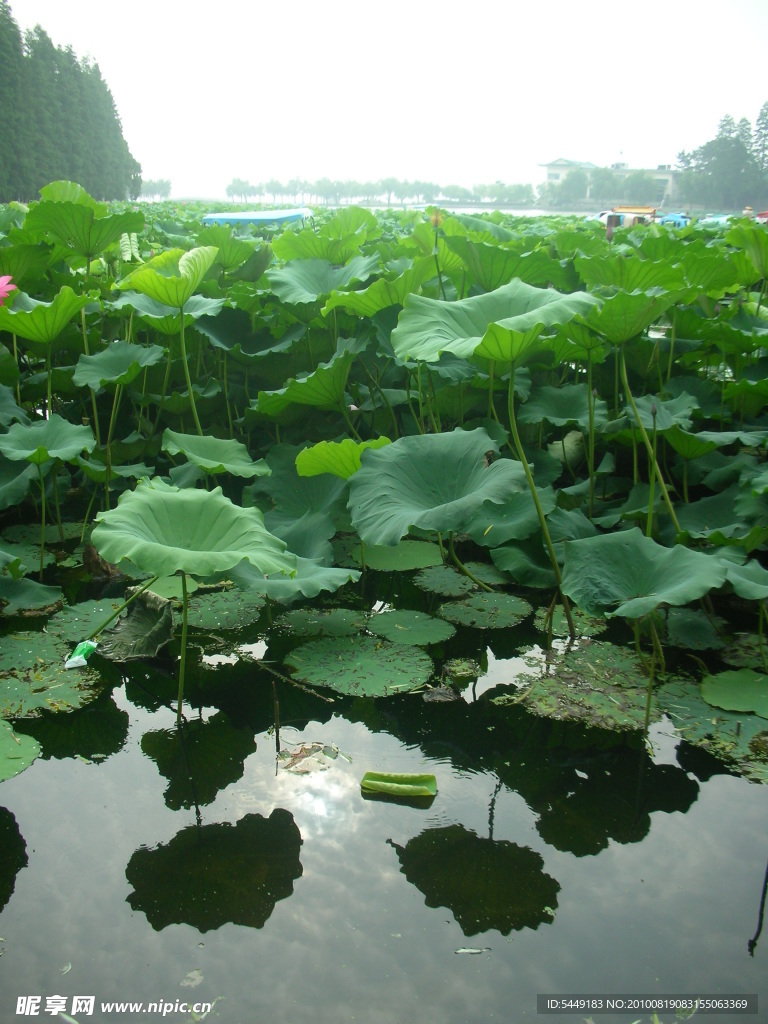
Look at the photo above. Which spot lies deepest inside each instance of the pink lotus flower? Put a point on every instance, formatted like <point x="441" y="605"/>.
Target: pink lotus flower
<point x="5" y="287"/>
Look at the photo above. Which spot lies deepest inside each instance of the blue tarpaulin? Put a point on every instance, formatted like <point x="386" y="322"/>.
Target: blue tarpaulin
<point x="258" y="216"/>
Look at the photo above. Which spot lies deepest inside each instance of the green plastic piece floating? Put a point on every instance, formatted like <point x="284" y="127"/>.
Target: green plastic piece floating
<point x="399" y="784"/>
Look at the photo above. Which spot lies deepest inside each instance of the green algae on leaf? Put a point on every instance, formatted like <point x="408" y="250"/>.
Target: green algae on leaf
<point x="408" y="627"/>
<point x="487" y="611"/>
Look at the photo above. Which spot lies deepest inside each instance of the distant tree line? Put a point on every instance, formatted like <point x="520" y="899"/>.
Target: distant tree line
<point x="386" y="191"/>
<point x="160" y="189"/>
<point x="57" y="120"/>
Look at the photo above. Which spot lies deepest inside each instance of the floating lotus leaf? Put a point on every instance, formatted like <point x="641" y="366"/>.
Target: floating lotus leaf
<point x="629" y="574"/>
<point x="404" y="784"/>
<point x="408" y="627"/>
<point x="26" y="597"/>
<point x="690" y="628"/>
<point x="487" y="611"/>
<point x="342" y="458"/>
<point x="596" y="683"/>
<point x="737" y="690"/>
<point x="224" y="609"/>
<point x="732" y="736"/>
<point x="17" y="752"/>
<point x="322" y="622"/>
<point x="33" y="677"/>
<point x="360" y="666"/>
<point x="461" y="670"/>
<point x="29" y="535"/>
<point x="436" y="482"/>
<point x="121" y="363"/>
<point x="485" y="883"/>
<point x="214" y="454"/>
<point x="408" y="554"/>
<point x="76" y="622"/>
<point x="163" y="530"/>
<point x="444" y="580"/>
<point x="213" y="875"/>
<point x="173" y="276"/>
<point x="54" y="438"/>
<point x="586" y="625"/>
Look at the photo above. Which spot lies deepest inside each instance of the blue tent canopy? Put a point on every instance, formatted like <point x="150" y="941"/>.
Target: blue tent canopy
<point x="258" y="216"/>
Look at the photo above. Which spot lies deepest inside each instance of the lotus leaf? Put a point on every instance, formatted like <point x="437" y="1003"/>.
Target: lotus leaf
<point x="224" y="609"/>
<point x="54" y="438"/>
<point x="562" y="406"/>
<point x="342" y="458"/>
<point x="15" y="481"/>
<point x="173" y="276"/>
<point x="163" y="530"/>
<point x="24" y="597"/>
<point x="360" y="666"/>
<point x="383" y="293"/>
<point x="323" y="388"/>
<point x="33" y="677"/>
<point x="403" y="784"/>
<point x="402" y="557"/>
<point x="690" y="628"/>
<point x="528" y="565"/>
<point x="408" y="627"/>
<point x="586" y="625"/>
<point x="625" y="315"/>
<point x="444" y="580"/>
<point x="83" y="228"/>
<point x="516" y="519"/>
<point x="500" y="325"/>
<point x="311" y="578"/>
<point x="167" y="319"/>
<point x="324" y="622"/>
<point x="141" y="632"/>
<point x="737" y="690"/>
<point x="121" y="363"/>
<point x="42" y="322"/>
<point x="487" y="611"/>
<point x="9" y="410"/>
<point x="304" y="281"/>
<point x="629" y="574"/>
<point x="17" y="752"/>
<point x="214" y="454"/>
<point x="436" y="482"/>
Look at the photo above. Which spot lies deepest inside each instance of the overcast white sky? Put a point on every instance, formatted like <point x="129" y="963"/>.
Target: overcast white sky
<point x="448" y="92"/>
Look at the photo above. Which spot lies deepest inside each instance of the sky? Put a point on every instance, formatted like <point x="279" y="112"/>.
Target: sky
<point x="452" y="93"/>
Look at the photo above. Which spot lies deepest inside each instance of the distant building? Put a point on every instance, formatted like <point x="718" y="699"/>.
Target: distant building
<point x="663" y="174"/>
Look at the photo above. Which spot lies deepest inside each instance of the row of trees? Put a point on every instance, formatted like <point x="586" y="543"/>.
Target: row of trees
<point x="386" y="191"/>
<point x="156" y="189"/>
<point x="730" y="171"/>
<point x="57" y="120"/>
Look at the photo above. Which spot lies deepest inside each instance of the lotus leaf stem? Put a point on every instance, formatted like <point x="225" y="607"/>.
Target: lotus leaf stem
<point x="187" y="377"/>
<point x="183" y="658"/>
<point x="651" y="481"/>
<point x="463" y="569"/>
<point x="646" y="441"/>
<point x="539" y="510"/>
<point x="93" y="393"/>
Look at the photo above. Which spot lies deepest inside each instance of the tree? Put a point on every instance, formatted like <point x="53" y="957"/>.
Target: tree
<point x="604" y="185"/>
<point x="238" y="189"/>
<point x="723" y="173"/>
<point x="760" y="139"/>
<point x="640" y="187"/>
<point x="160" y="189"/>
<point x="574" y="186"/>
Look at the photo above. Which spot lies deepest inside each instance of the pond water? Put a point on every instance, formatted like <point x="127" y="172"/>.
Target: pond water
<point x="145" y="864"/>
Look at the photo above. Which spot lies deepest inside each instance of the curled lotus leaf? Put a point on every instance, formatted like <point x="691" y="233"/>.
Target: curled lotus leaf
<point x="436" y="482"/>
<point x="121" y="363"/>
<point x="342" y="458"/>
<point x="163" y="530"/>
<point x="54" y="438"/>
<point x="173" y="276"/>
<point x="214" y="454"/>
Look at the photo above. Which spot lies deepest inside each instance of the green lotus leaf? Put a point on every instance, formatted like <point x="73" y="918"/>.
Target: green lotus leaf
<point x="516" y="519"/>
<point x="630" y="273"/>
<point x="232" y="251"/>
<point x="121" y="363"/>
<point x="737" y="690"/>
<point x="97" y="471"/>
<point x="436" y="482"/>
<point x="142" y="631"/>
<point x="562" y="407"/>
<point x="224" y="609"/>
<point x="79" y="227"/>
<point x="10" y="412"/>
<point x="749" y="581"/>
<point x="17" y="752"/>
<point x="528" y="565"/>
<point x="33" y="677"/>
<point x="360" y="666"/>
<point x="407" y="784"/>
<point x="323" y="388"/>
<point x="491" y="266"/>
<point x="403" y="626"/>
<point x="27" y="596"/>
<point x="627" y="314"/>
<point x="690" y="628"/>
<point x="15" y="481"/>
<point x="629" y="574"/>
<point x="501" y="325"/>
<point x="231" y="331"/>
<point x="64" y="191"/>
<point x="753" y="239"/>
<point x="322" y="622"/>
<point x="173" y="276"/>
<point x="54" y="438"/>
<point x="342" y="458"/>
<point x="23" y="261"/>
<point x="214" y="454"/>
<point x="586" y="625"/>
<point x="402" y="557"/>
<point x="163" y="530"/>
<point x="167" y="319"/>
<point x="487" y="611"/>
<point x="689" y="446"/>
<point x="304" y="281"/>
<point x="312" y="577"/>
<point x="42" y="322"/>
<point x="383" y="293"/>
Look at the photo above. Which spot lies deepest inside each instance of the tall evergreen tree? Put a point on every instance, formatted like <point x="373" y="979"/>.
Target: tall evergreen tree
<point x="11" y="66"/>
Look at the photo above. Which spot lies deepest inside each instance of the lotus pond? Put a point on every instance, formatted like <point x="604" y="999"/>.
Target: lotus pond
<point x="471" y="505"/>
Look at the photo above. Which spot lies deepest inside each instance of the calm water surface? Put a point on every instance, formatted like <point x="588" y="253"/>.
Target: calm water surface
<point x="140" y="868"/>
